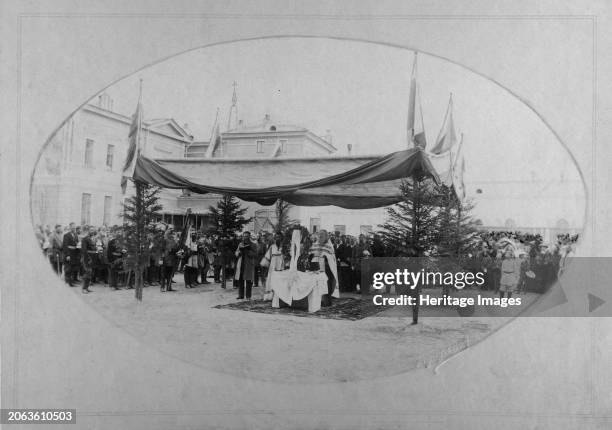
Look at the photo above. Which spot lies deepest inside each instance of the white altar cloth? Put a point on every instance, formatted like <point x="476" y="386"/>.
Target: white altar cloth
<point x="289" y="285"/>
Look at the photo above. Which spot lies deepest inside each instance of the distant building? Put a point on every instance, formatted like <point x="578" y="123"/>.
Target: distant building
<point x="79" y="174"/>
<point x="268" y="139"/>
<point x="265" y="140"/>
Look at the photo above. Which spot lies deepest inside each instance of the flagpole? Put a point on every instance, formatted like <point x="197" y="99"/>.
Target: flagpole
<point x="139" y="129"/>
<point x="412" y="102"/>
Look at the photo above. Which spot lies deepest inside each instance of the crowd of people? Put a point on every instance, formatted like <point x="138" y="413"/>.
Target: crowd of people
<point x="535" y="265"/>
<point x="90" y="255"/>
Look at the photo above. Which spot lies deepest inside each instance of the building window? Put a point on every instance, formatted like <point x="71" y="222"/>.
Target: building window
<point x="260" y="146"/>
<point x="283" y="143"/>
<point x="85" y="208"/>
<point x="110" y="152"/>
<point x="108" y="204"/>
<point x="315" y="224"/>
<point x="89" y="153"/>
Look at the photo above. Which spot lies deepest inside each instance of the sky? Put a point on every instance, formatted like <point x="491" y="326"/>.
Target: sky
<point x="359" y="92"/>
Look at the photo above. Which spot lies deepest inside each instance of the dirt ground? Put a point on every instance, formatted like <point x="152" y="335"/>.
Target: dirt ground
<point x="287" y="348"/>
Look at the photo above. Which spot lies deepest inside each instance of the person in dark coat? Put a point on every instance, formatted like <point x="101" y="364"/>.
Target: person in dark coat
<point x="343" y="254"/>
<point x="71" y="259"/>
<point x="170" y="248"/>
<point x="217" y="260"/>
<point x="203" y="260"/>
<point x="360" y="251"/>
<point x="115" y="262"/>
<point x="378" y="248"/>
<point x="155" y="257"/>
<point x="246" y="253"/>
<point x="88" y="257"/>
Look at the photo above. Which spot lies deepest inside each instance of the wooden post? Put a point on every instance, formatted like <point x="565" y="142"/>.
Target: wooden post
<point x="140" y="232"/>
<point x="222" y="248"/>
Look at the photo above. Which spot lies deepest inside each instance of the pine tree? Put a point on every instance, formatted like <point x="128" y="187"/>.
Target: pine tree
<point x="228" y="217"/>
<point x="412" y="225"/>
<point x="430" y="219"/>
<point x="456" y="226"/>
<point x="140" y="211"/>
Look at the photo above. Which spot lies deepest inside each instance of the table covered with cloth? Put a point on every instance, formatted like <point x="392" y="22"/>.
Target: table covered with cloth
<point x="290" y="285"/>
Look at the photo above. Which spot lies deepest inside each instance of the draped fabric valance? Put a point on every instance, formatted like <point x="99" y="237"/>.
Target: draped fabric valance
<point x="348" y="182"/>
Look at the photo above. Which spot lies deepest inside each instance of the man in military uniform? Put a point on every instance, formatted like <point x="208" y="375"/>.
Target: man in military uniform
<point x="71" y="259"/>
<point x="88" y="256"/>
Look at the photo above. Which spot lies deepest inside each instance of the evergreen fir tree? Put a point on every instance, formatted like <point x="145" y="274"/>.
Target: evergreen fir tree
<point x="412" y="225"/>
<point x="457" y="229"/>
<point x="140" y="211"/>
<point x="442" y="224"/>
<point x="228" y="217"/>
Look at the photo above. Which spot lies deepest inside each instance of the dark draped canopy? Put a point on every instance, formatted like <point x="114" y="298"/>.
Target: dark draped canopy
<point x="348" y="182"/>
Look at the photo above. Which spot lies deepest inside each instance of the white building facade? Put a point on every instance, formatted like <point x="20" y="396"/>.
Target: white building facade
<point x="78" y="176"/>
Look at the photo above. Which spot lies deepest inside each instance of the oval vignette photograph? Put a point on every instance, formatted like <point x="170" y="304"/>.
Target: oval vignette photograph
<point x="283" y="209"/>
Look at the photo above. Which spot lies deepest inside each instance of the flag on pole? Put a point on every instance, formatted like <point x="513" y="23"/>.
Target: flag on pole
<point x="133" y="143"/>
<point x="186" y="228"/>
<point x="458" y="169"/>
<point x="416" y="126"/>
<point x="448" y="137"/>
<point x="215" y="138"/>
<point x="215" y="142"/>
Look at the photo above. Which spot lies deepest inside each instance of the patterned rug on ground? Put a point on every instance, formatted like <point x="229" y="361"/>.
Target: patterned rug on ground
<point x="341" y="309"/>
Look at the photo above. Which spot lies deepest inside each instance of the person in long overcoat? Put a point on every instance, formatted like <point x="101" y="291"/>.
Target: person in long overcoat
<point x="71" y="255"/>
<point x="170" y="247"/>
<point x="246" y="253"/>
